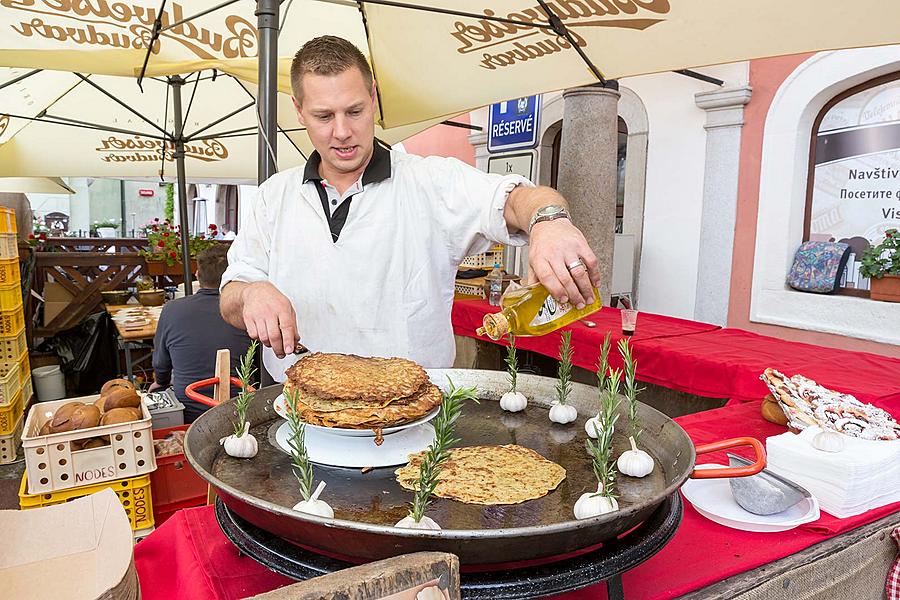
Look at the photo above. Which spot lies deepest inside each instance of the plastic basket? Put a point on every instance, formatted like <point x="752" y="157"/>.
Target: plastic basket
<point x="175" y="484"/>
<point x="9" y="444"/>
<point x="10" y="296"/>
<point x="9" y="246"/>
<point x="11" y="321"/>
<point x="9" y="271"/>
<point x="134" y="494"/>
<point x="486" y="260"/>
<point x="12" y="346"/>
<point x="10" y="414"/>
<point x="27" y="391"/>
<point x="53" y="465"/>
<point x="10" y="383"/>
<point x="24" y="371"/>
<point x="7" y="220"/>
<point x="469" y="290"/>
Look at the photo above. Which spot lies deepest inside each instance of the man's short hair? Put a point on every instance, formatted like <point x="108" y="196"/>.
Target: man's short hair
<point x="327" y="55"/>
<point x="211" y="263"/>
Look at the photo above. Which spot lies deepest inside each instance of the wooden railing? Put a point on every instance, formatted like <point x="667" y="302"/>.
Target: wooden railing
<point x="84" y="267"/>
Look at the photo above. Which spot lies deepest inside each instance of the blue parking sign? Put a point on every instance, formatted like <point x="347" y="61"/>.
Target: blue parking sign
<point x="514" y="124"/>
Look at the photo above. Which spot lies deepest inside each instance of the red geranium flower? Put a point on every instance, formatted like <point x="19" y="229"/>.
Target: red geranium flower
<point x="161" y="244"/>
<point x="213" y="226"/>
<point x="173" y="255"/>
<point x="156" y="219"/>
<point x="42" y="237"/>
<point x="165" y="234"/>
<point x="30" y="236"/>
<point x="156" y="228"/>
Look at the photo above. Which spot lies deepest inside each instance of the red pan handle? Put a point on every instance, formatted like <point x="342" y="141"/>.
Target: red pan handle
<point x="191" y="390"/>
<point x="753" y="469"/>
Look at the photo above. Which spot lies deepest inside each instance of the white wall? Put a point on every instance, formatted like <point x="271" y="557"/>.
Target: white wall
<point x="676" y="157"/>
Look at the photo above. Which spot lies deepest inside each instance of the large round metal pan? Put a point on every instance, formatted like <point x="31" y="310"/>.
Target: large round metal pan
<point x="366" y="504"/>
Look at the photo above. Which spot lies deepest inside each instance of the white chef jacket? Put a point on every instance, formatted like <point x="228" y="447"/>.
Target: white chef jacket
<point x="385" y="286"/>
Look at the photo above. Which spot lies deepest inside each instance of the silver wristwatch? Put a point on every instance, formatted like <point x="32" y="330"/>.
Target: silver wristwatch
<point x="548" y="213"/>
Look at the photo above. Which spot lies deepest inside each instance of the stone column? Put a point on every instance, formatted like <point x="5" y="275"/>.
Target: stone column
<point x="587" y="168"/>
<point x="724" y="119"/>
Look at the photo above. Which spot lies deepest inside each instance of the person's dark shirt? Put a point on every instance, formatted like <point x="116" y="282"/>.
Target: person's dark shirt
<point x="189" y="333"/>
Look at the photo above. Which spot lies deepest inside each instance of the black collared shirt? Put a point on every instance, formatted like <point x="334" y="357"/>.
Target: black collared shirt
<point x="378" y="169"/>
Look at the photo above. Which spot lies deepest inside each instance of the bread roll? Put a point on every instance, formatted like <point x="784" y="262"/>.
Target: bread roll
<point x="99" y="402"/>
<point x="116" y="383"/>
<point x="62" y="418"/>
<point x="119" y="397"/>
<point x="121" y="415"/>
<point x="45" y="428"/>
<point x="772" y="412"/>
<point x="85" y="416"/>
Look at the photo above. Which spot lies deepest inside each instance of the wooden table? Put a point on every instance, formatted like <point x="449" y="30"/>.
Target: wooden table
<point x="132" y="339"/>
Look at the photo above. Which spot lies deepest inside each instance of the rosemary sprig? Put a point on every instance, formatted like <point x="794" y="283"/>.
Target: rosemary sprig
<point x="512" y="362"/>
<point x="439" y="451"/>
<point x="564" y="384"/>
<point x="631" y="389"/>
<point x="603" y="366"/>
<point x="601" y="450"/>
<point x="245" y="373"/>
<point x="300" y="465"/>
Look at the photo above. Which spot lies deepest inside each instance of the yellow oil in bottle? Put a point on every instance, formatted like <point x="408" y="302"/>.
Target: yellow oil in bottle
<point x="532" y="311"/>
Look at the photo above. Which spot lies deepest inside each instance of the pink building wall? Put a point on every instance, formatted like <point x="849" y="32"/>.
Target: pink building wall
<point x="443" y="140"/>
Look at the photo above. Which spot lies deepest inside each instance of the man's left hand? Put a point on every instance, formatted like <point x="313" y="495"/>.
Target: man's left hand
<point x="561" y="259"/>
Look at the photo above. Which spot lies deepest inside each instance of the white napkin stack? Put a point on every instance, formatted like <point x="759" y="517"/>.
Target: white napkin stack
<point x="863" y="476"/>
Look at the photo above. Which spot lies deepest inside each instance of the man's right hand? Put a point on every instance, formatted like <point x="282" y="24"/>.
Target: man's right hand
<point x="269" y="317"/>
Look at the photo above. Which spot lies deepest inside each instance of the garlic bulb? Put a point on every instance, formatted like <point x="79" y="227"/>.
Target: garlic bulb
<point x="594" y="504"/>
<point x="314" y="506"/>
<point x="828" y="441"/>
<point x="425" y="523"/>
<point x="242" y="446"/>
<point x="513" y="401"/>
<point x="592" y="426"/>
<point x="634" y="462"/>
<point x="563" y="413"/>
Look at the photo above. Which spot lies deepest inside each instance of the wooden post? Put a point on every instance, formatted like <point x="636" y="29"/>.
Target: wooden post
<point x="222" y="391"/>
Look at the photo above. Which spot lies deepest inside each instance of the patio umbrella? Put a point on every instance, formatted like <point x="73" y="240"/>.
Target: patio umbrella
<point x="35" y="185"/>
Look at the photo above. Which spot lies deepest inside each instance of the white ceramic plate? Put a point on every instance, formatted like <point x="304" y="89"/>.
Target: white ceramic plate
<point x="713" y="499"/>
<point x="280" y="406"/>
<point x="325" y="448"/>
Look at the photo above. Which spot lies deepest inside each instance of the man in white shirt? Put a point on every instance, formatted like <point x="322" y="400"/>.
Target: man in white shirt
<point x="357" y="253"/>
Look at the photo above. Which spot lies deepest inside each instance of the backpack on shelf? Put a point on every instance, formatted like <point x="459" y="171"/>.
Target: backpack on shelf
<point x="818" y="267"/>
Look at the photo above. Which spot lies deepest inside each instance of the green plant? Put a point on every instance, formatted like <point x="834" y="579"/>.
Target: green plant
<point x="601" y="450"/>
<point x="564" y="383"/>
<point x="438" y="452"/>
<point x="883" y="259"/>
<point x="164" y="242"/>
<point x="631" y="389"/>
<point x="245" y="396"/>
<point x="300" y="464"/>
<point x="105" y="223"/>
<point x="170" y="202"/>
<point x="512" y="362"/>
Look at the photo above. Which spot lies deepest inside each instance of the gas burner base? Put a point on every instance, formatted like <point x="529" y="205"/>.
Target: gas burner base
<point x="605" y="564"/>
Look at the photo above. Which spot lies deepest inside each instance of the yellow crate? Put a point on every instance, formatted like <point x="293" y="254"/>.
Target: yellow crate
<point x="134" y="494"/>
<point x="27" y="391"/>
<point x="9" y="270"/>
<point x="10" y="296"/>
<point x="10" y="383"/>
<point x="7" y="220"/>
<point x="9" y="246"/>
<point x="9" y="444"/>
<point x="24" y="371"/>
<point x="10" y="414"/>
<point x="12" y="346"/>
<point x="11" y="321"/>
<point x="485" y="260"/>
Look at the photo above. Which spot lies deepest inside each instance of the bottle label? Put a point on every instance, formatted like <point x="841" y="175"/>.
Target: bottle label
<point x="550" y="311"/>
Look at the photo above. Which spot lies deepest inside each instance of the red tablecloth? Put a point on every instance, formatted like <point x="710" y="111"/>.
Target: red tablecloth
<point x="189" y="557"/>
<point x="467" y="317"/>
<point x="705" y="360"/>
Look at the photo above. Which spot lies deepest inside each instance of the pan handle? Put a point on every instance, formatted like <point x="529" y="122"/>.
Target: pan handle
<point x="191" y="390"/>
<point x="753" y="469"/>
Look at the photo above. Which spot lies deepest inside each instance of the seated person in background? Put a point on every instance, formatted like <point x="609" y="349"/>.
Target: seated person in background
<point x="189" y="332"/>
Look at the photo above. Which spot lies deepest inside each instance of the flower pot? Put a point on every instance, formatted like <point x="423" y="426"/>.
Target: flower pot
<point x="107" y="232"/>
<point x="152" y="297"/>
<point x="886" y="288"/>
<point x="158" y="267"/>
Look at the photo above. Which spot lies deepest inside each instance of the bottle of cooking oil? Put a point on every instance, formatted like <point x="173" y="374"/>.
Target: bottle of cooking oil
<point x="495" y="285"/>
<point x="531" y="311"/>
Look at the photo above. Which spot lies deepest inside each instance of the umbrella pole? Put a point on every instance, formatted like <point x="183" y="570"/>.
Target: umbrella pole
<point x="177" y="82"/>
<point x="266" y="103"/>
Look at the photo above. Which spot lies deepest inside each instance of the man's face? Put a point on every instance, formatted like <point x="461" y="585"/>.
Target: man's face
<point x="338" y="112"/>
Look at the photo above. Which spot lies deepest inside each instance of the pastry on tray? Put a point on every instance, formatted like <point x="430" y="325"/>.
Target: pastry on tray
<point x="807" y="403"/>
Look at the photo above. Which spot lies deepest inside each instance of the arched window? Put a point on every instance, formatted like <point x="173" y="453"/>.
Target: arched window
<point x="853" y="192"/>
